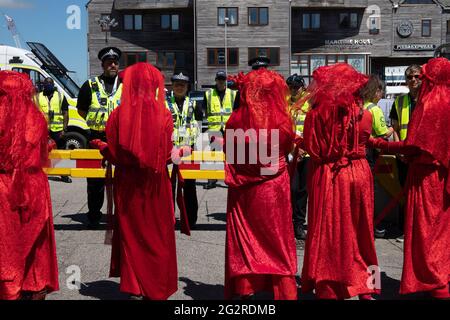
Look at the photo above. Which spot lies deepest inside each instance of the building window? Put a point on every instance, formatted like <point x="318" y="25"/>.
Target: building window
<point x="170" y="22"/>
<point x="272" y="53"/>
<point x="132" y="22"/>
<point x="171" y="60"/>
<point x="305" y="65"/>
<point x="448" y="26"/>
<point x="311" y="21"/>
<point x="130" y="58"/>
<point x="216" y="56"/>
<point x="258" y="16"/>
<point x="348" y="20"/>
<point x="426" y="28"/>
<point x="230" y="13"/>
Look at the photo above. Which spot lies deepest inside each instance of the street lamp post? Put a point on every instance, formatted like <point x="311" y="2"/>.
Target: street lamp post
<point x="106" y="23"/>
<point x="226" y="50"/>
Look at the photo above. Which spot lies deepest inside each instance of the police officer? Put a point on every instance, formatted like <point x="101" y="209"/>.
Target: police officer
<point x="400" y="114"/>
<point x="55" y="107"/>
<point x="219" y="106"/>
<point x="299" y="194"/>
<point x="186" y="131"/>
<point x="97" y="99"/>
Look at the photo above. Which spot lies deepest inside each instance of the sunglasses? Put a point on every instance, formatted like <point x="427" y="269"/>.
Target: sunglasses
<point x="413" y="77"/>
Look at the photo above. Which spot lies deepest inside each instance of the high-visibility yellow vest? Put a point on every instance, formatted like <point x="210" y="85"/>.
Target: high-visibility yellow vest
<point x="218" y="112"/>
<point x="403" y="107"/>
<point x="52" y="110"/>
<point x="186" y="128"/>
<point x="299" y="117"/>
<point x="102" y="105"/>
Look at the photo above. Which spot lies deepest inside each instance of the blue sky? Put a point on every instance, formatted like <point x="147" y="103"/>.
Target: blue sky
<point x="45" y="21"/>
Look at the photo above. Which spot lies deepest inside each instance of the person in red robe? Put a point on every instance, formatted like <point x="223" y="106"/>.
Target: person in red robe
<point x="426" y="263"/>
<point x="28" y="264"/>
<point x="260" y="242"/>
<point x="340" y="245"/>
<point x="139" y="135"/>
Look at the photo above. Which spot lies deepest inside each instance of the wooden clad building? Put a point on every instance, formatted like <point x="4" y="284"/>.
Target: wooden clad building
<point x="298" y="35"/>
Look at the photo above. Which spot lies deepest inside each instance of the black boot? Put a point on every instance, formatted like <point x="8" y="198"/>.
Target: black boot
<point x="210" y="185"/>
<point x="300" y="233"/>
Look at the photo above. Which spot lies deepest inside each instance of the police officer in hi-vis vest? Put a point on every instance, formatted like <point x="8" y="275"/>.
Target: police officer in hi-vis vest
<point x="219" y="106"/>
<point x="401" y="112"/>
<point x="299" y="195"/>
<point x="97" y="99"/>
<point x="55" y="107"/>
<point x="185" y="133"/>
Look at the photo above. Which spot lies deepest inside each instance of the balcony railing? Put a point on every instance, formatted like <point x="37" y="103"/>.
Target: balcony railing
<point x="331" y="3"/>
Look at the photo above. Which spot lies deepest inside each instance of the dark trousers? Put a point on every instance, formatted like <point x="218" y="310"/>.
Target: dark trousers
<point x="299" y="193"/>
<point x="190" y="199"/>
<point x="372" y="157"/>
<point x="57" y="137"/>
<point x="95" y="188"/>
<point x="402" y="175"/>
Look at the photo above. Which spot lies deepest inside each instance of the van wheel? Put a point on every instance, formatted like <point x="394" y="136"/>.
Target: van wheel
<point x="75" y="140"/>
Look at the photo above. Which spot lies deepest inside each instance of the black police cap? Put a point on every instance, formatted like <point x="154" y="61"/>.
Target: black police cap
<point x="109" y="53"/>
<point x="259" y="62"/>
<point x="180" y="77"/>
<point x="295" y="80"/>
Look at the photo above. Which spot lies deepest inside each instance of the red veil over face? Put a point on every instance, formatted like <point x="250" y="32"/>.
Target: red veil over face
<point x="335" y="94"/>
<point x="429" y="128"/>
<point x="141" y="116"/>
<point x="262" y="100"/>
<point x="20" y="130"/>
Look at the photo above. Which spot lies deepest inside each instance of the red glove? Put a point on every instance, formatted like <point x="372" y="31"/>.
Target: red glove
<point x="217" y="140"/>
<point x="51" y="145"/>
<point x="98" y="144"/>
<point x="185" y="151"/>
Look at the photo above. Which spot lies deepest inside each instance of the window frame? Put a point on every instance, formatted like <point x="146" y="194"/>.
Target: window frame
<point x="226" y="15"/>
<point x="258" y="24"/>
<point x="310" y="25"/>
<point x="216" y="55"/>
<point x="164" y="65"/>
<point x="124" y="60"/>
<point x="134" y="22"/>
<point x="170" y="29"/>
<point x="349" y="15"/>
<point x="422" y="28"/>
<point x="271" y="64"/>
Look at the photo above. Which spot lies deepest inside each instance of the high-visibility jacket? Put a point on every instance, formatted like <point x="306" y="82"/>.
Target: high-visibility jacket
<point x="52" y="110"/>
<point x="186" y="130"/>
<point x="299" y="117"/>
<point x="218" y="112"/>
<point x="403" y="107"/>
<point x="102" y="105"/>
<point x="379" y="127"/>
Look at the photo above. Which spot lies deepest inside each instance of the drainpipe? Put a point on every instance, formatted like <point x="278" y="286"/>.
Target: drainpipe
<point x="195" y="45"/>
<point x="290" y="37"/>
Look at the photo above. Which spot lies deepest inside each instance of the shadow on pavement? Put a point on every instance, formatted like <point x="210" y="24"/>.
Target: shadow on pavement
<point x="218" y="216"/>
<point x="103" y="290"/>
<point x="204" y="227"/>
<point x="390" y="289"/>
<point x="202" y="291"/>
<point x="82" y="224"/>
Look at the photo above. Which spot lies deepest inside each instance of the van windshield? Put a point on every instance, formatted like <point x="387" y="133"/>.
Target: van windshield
<point x="55" y="68"/>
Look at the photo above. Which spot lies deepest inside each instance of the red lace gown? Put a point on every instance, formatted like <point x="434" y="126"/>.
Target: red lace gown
<point x="144" y="252"/>
<point x="426" y="262"/>
<point x="340" y="244"/>
<point x="28" y="249"/>
<point x="260" y="244"/>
